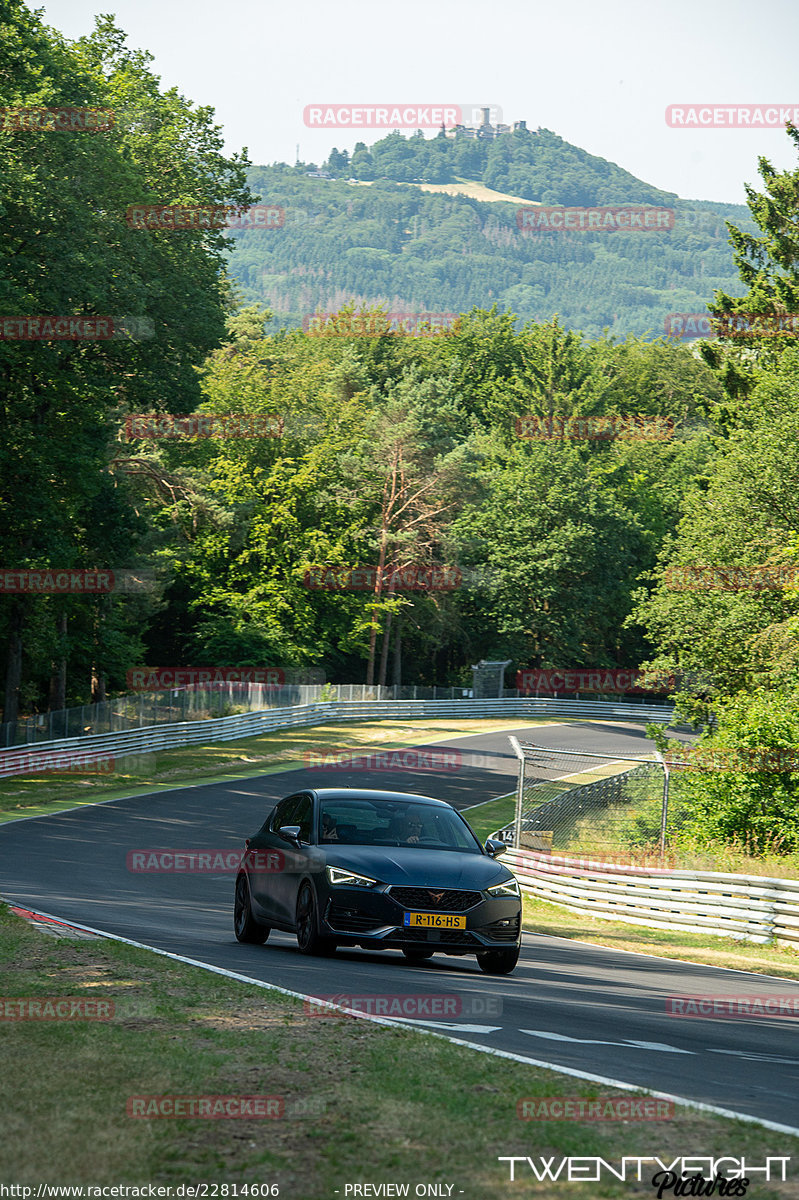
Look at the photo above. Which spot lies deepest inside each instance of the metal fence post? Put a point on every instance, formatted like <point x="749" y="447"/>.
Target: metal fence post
<point x="664" y="815"/>
<point x="517" y="823"/>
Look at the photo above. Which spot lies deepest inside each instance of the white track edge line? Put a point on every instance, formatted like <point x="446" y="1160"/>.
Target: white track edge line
<point x="350" y="1012"/>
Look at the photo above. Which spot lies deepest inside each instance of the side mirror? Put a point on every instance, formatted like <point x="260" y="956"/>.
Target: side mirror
<point x="495" y="847"/>
<point x="290" y="833"/>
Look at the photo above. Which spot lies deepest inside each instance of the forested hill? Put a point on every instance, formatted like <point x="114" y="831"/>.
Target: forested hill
<point x="383" y="239"/>
<point x="538" y="166"/>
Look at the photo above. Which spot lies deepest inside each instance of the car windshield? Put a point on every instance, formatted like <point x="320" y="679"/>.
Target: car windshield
<point x="393" y="823"/>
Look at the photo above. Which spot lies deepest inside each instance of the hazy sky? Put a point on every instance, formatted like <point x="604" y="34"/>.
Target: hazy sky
<point x="601" y="74"/>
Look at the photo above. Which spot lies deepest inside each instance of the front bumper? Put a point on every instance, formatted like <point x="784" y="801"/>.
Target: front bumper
<point x="375" y="918"/>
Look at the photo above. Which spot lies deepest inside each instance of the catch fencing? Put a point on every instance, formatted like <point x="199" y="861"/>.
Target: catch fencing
<point x="571" y="801"/>
<point x="169" y="735"/>
<point x="139" y="710"/>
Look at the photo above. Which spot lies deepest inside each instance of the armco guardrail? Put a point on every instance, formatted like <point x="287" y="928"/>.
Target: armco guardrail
<point x="751" y="908"/>
<point x="45" y="756"/>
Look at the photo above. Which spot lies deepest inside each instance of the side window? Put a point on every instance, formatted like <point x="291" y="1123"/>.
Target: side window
<point x="302" y="817"/>
<point x="284" y="813"/>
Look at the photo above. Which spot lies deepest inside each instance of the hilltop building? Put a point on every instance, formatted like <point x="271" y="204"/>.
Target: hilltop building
<point x="485" y="132"/>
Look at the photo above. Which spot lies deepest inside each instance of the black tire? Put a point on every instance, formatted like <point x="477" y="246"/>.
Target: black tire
<point x="417" y="953"/>
<point x="498" y="962"/>
<point x="245" y="926"/>
<point x="309" y="940"/>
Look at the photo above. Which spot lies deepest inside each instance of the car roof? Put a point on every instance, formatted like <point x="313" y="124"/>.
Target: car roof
<point x="370" y="794"/>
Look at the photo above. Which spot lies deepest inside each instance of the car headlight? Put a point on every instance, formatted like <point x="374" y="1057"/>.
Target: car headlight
<point x="339" y="875"/>
<point x="509" y="888"/>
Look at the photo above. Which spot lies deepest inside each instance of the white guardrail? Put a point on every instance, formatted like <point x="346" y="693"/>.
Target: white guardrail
<point x="752" y="908"/>
<point x="45" y="756"/>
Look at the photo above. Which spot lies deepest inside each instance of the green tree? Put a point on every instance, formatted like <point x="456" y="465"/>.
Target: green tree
<point x="67" y="249"/>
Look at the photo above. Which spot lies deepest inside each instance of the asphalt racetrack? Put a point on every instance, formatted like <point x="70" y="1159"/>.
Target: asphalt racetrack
<point x="569" y="1004"/>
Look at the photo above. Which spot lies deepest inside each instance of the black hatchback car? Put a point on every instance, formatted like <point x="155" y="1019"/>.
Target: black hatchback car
<point x="344" y="867"/>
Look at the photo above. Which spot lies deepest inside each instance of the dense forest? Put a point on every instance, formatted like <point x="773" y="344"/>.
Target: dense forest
<point x="388" y="242"/>
<point x="382" y="450"/>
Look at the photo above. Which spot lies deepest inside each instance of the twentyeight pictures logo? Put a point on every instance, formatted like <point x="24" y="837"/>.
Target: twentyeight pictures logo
<point x="397" y="116"/>
<point x="585" y="1169"/>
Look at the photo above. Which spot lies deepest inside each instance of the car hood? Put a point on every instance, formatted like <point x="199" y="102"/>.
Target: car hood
<point x="421" y="868"/>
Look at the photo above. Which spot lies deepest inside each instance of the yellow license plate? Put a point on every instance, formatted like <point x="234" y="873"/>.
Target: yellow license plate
<point x="435" y="920"/>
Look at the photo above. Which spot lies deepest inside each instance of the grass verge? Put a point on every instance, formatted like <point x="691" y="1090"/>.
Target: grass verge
<point x="388" y="1105"/>
<point x="282" y="750"/>
<point x="542" y="917"/>
<point x="487" y="818"/>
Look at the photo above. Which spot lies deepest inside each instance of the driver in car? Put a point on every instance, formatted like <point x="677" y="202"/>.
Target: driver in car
<point x="408" y="828"/>
<point x="329" y="830"/>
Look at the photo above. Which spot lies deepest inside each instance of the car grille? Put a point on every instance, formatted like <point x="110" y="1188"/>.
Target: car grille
<point x="501" y="931"/>
<point x="454" y="937"/>
<point x="349" y="920"/>
<point x="436" y="899"/>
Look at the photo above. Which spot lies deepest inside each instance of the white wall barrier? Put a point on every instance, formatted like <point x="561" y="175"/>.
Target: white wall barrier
<point x="751" y="908"/>
<point x="55" y="755"/>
